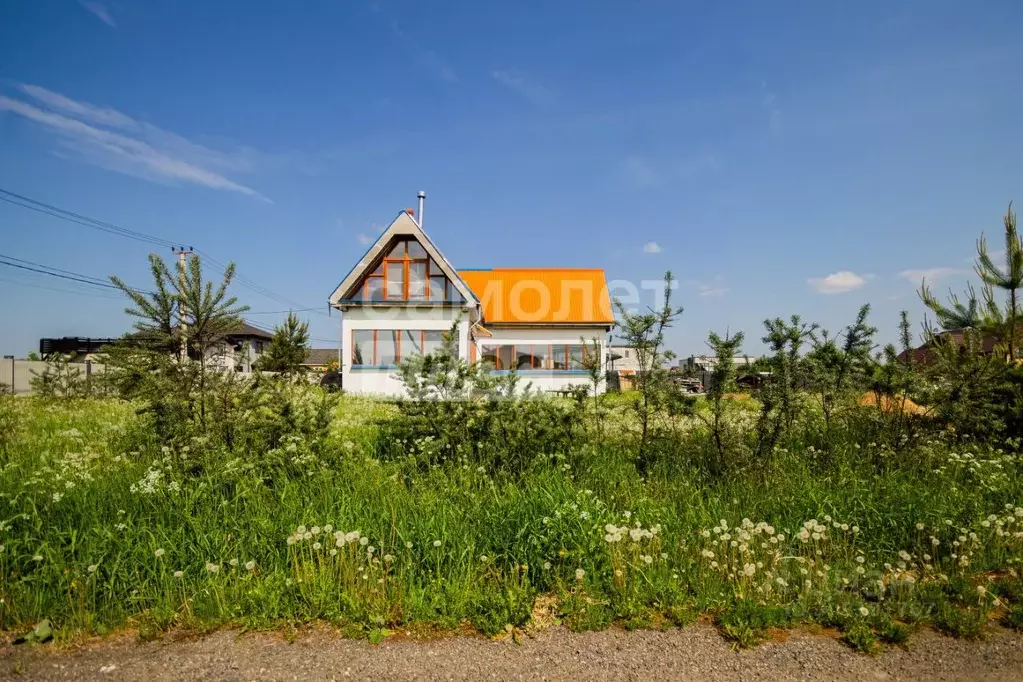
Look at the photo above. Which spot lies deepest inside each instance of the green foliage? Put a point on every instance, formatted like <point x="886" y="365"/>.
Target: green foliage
<point x="747" y="622"/>
<point x="59" y="379"/>
<point x="840" y="366"/>
<point x="986" y="314"/>
<point x="287" y="349"/>
<point x="644" y="333"/>
<point x="202" y="498"/>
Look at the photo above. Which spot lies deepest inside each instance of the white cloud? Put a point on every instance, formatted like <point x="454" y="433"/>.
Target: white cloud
<point x="364" y="239"/>
<point x="100" y="10"/>
<point x="136" y="148"/>
<point x="711" y="291"/>
<point x="526" y="88"/>
<point x="838" y="282"/>
<point x="930" y="274"/>
<point x="652" y="247"/>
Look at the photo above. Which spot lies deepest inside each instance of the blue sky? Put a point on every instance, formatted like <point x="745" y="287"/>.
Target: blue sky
<point x="779" y="158"/>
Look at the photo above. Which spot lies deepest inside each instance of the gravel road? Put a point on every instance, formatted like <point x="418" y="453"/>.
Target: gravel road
<point x="697" y="653"/>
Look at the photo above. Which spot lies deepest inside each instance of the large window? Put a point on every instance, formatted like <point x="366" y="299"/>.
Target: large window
<point x="407" y="273"/>
<point x="525" y="356"/>
<point x="387" y="347"/>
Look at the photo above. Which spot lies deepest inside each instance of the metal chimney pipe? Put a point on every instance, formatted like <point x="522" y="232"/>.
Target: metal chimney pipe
<point x="419" y="214"/>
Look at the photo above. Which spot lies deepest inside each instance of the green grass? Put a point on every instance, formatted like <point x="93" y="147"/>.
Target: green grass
<point x="102" y="528"/>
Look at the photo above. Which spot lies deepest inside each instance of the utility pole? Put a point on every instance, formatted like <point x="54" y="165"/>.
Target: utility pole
<point x="182" y="265"/>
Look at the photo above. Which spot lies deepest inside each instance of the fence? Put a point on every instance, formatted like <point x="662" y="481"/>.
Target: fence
<point x="25" y="370"/>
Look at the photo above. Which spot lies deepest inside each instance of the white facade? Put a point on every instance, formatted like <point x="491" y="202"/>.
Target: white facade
<point x="382" y="379"/>
<point x="546" y="379"/>
<point x="380" y="296"/>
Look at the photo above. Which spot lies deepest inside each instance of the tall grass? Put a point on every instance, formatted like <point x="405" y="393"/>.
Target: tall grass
<point x="102" y="527"/>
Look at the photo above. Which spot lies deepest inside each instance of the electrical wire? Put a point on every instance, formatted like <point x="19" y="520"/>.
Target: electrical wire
<point x="56" y="212"/>
<point x="50" y="271"/>
<point x="84" y="220"/>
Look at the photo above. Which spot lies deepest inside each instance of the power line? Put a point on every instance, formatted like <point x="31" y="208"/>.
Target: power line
<point x="257" y="288"/>
<point x="61" y="274"/>
<point x="267" y="329"/>
<point x="280" y="312"/>
<point x="51" y="210"/>
<point x="86" y="221"/>
<point x="80" y="292"/>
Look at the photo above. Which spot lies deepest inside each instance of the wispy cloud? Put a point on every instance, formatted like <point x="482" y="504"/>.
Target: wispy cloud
<point x="930" y="274"/>
<point x="652" y="247"/>
<point x="525" y="87"/>
<point x="107" y="138"/>
<point x="644" y="172"/>
<point x="838" y="282"/>
<point x="712" y="291"/>
<point x="364" y="239"/>
<point x="100" y="10"/>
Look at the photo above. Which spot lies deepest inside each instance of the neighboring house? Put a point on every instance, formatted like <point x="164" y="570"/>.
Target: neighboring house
<point x="80" y="348"/>
<point x="403" y="295"/>
<point x="707" y="363"/>
<point x="237" y="351"/>
<point x="702" y="366"/>
<point x="318" y="358"/>
<point x="240" y="348"/>
<point x="925" y="353"/>
<point x="623" y="359"/>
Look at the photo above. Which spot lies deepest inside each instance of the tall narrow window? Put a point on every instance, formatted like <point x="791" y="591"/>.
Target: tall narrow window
<point x="506" y="357"/>
<point x="411" y="343"/>
<point x="395" y="274"/>
<point x="433" y="341"/>
<point x="416" y="281"/>
<point x="387" y="347"/>
<point x="362" y="347"/>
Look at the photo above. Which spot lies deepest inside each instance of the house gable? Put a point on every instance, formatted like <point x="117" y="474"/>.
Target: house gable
<point x="405" y="251"/>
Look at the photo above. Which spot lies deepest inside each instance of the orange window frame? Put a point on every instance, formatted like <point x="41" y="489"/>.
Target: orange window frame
<point x="406" y="262"/>
<point x="397" y="344"/>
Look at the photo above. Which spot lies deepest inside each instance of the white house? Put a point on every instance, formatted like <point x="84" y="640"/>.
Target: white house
<point x="403" y="294"/>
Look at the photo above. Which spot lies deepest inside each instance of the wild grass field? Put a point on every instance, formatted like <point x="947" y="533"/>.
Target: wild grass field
<point x="102" y="526"/>
<point x="856" y="488"/>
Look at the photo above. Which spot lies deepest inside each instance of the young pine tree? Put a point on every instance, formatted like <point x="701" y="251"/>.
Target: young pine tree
<point x="288" y="348"/>
<point x="644" y="333"/>
<point x="183" y="311"/>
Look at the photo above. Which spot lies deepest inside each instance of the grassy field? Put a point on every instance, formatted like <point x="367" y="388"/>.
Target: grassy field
<point x="102" y="527"/>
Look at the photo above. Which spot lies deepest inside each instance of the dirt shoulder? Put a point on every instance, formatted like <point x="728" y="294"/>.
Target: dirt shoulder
<point x="696" y="653"/>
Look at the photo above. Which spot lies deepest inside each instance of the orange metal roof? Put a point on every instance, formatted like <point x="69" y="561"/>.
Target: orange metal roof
<point x="541" y="295"/>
